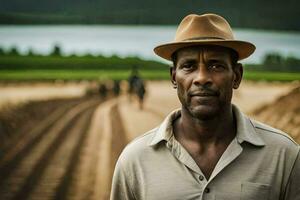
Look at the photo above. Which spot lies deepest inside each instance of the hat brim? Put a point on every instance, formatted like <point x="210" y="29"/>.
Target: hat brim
<point x="244" y="49"/>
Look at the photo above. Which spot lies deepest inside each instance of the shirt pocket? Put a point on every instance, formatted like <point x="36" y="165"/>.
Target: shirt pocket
<point x="255" y="191"/>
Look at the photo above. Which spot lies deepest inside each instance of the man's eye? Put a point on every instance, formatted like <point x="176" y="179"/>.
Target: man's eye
<point x="187" y="66"/>
<point x="217" y="67"/>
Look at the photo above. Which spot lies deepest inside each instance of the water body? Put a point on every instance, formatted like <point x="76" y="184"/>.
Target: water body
<point x="129" y="40"/>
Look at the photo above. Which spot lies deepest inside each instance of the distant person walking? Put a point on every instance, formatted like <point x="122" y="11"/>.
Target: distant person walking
<point x="136" y="87"/>
<point x="134" y="76"/>
<point x="140" y="92"/>
<point x="103" y="91"/>
<point x="116" y="88"/>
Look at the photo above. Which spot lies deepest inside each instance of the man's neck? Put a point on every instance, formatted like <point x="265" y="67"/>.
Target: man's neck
<point x="221" y="129"/>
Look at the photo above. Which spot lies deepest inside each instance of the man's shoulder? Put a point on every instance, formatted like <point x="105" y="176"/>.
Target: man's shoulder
<point x="143" y="140"/>
<point x="273" y="136"/>
<point x="139" y="146"/>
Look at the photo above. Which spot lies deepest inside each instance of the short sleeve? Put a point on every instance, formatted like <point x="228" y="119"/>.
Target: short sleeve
<point x="121" y="184"/>
<point x="293" y="186"/>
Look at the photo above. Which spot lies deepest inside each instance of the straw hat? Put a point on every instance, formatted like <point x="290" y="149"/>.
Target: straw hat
<point x="207" y="29"/>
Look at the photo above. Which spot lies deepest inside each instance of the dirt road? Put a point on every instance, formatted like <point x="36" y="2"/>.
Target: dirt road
<point x="69" y="155"/>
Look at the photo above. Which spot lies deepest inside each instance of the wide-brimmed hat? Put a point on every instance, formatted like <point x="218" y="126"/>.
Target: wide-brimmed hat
<point x="207" y="29"/>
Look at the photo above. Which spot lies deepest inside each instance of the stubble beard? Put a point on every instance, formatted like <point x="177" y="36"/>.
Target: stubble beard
<point x="205" y="111"/>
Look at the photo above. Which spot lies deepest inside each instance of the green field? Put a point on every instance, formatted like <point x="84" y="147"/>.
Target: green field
<point x="14" y="67"/>
<point x="272" y="76"/>
<point x="51" y="75"/>
<point x="17" y="62"/>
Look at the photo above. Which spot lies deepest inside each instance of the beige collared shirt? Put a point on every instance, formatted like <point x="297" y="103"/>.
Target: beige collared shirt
<point x="261" y="163"/>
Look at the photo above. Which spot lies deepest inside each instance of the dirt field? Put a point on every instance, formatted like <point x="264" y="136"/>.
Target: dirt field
<point x="13" y="93"/>
<point x="284" y="113"/>
<point x="69" y="150"/>
<point x="62" y="156"/>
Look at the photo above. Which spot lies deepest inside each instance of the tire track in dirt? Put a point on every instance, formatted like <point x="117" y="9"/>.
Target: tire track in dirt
<point x="81" y="185"/>
<point x="29" y="168"/>
<point x="53" y="183"/>
<point x="113" y="140"/>
<point x="119" y="139"/>
<point x="28" y="131"/>
<point x="106" y="138"/>
<point x="24" y="144"/>
<point x="62" y="189"/>
<point x="69" y="156"/>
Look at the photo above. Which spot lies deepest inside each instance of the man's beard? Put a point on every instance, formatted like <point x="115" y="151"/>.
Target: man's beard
<point x="204" y="114"/>
<point x="205" y="108"/>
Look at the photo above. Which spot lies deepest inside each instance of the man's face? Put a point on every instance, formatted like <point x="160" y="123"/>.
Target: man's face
<point x="205" y="78"/>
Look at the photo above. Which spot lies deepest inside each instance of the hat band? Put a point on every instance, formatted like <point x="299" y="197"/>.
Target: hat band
<point x="204" y="38"/>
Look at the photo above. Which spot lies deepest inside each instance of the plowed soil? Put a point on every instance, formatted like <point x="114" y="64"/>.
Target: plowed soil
<point x="69" y="154"/>
<point x="283" y="113"/>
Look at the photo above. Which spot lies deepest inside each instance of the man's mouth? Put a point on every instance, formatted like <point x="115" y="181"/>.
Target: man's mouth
<point x="204" y="94"/>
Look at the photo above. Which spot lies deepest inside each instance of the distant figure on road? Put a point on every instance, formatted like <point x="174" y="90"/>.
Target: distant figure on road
<point x="116" y="88"/>
<point x="136" y="87"/>
<point x="134" y="76"/>
<point x="208" y="148"/>
<point x="103" y="90"/>
<point x="140" y="91"/>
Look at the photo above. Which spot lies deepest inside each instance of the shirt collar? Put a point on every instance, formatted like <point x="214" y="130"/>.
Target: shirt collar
<point x="165" y="130"/>
<point x="245" y="129"/>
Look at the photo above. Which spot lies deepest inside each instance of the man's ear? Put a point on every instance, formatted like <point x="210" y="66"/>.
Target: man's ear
<point x="172" y="76"/>
<point x="238" y="75"/>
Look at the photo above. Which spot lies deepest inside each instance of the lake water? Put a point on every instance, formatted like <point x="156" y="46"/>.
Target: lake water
<point x="129" y="40"/>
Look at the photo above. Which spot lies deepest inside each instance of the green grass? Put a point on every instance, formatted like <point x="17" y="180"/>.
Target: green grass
<point x="62" y="74"/>
<point x="76" y="63"/>
<point x="271" y="76"/>
<point x="49" y="75"/>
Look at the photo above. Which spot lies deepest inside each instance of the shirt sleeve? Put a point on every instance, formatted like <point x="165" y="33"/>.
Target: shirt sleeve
<point x="293" y="186"/>
<point x="121" y="189"/>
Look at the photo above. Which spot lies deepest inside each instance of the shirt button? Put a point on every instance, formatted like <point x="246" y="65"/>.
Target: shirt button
<point x="206" y="190"/>
<point x="201" y="178"/>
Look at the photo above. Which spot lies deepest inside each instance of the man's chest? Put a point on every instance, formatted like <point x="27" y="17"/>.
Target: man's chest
<point x="171" y="185"/>
<point x="246" y="177"/>
<point x="206" y="162"/>
<point x="206" y="159"/>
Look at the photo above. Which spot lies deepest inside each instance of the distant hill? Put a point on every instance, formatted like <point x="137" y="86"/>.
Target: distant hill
<point x="267" y="14"/>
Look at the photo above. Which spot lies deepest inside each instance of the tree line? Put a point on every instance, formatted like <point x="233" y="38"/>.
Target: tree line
<point x="13" y="60"/>
<point x="277" y="62"/>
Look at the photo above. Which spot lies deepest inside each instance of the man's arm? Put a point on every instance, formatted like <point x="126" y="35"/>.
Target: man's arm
<point x="293" y="186"/>
<point x="120" y="189"/>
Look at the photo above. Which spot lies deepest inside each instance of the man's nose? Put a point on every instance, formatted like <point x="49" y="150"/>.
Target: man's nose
<point x="202" y="75"/>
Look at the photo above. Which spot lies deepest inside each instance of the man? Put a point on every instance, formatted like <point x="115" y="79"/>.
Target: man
<point x="208" y="149"/>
